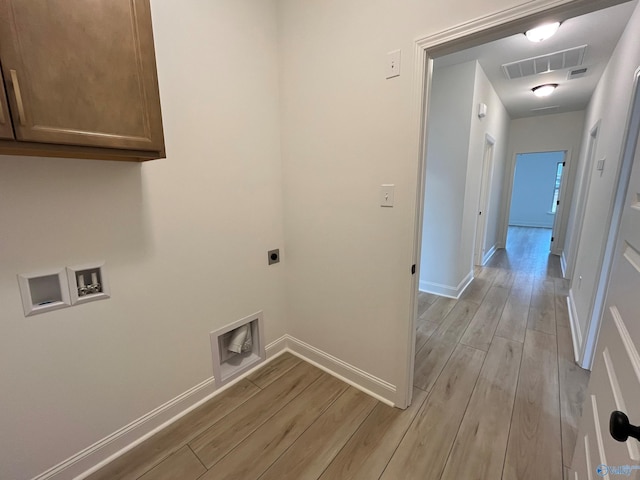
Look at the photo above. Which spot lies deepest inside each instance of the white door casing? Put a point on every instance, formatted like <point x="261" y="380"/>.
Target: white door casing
<point x="556" y="242"/>
<point x="615" y="380"/>
<point x="483" y="200"/>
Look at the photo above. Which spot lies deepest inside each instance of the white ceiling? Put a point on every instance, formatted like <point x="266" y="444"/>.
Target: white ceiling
<point x="599" y="30"/>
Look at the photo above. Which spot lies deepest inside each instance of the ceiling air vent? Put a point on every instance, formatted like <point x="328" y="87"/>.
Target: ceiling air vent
<point x="572" y="57"/>
<point x="576" y="73"/>
<point x="551" y="109"/>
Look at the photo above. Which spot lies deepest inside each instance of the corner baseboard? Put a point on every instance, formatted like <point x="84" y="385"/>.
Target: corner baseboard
<point x="563" y="264"/>
<point x="96" y="456"/>
<point x="276" y="348"/>
<point x="576" y="334"/>
<point x="447" y="290"/>
<point x="489" y="254"/>
<point x="363" y="381"/>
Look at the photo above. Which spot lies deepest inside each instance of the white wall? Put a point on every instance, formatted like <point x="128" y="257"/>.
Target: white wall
<point x="347" y="130"/>
<point x="184" y="240"/>
<point x="546" y="133"/>
<point x="442" y="271"/>
<point x="610" y="105"/>
<point x="534" y="185"/>
<point x="496" y="125"/>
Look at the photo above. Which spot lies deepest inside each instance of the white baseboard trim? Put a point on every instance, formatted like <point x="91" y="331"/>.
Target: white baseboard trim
<point x="96" y="456"/>
<point x="576" y="334"/>
<point x="530" y="225"/>
<point x="446" y="290"/>
<point x="489" y="254"/>
<point x="363" y="381"/>
<point x="563" y="265"/>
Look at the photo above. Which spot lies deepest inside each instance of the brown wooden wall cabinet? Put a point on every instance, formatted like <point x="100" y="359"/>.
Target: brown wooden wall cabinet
<point x="79" y="80"/>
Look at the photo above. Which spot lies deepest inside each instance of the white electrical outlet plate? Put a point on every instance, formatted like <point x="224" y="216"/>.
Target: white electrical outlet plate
<point x="88" y="283"/>
<point x="44" y="291"/>
<point x="393" y="64"/>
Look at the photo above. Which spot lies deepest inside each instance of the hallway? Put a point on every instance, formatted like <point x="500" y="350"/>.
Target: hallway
<point x="501" y="359"/>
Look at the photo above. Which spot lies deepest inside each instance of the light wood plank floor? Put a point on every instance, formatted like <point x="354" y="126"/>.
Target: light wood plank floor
<point x="497" y="396"/>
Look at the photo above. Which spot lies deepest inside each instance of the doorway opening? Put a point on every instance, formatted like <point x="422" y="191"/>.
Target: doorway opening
<point x="536" y="193"/>
<point x="471" y="35"/>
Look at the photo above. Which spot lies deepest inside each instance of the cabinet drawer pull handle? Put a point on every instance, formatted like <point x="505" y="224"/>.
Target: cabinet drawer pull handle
<point x="16" y="91"/>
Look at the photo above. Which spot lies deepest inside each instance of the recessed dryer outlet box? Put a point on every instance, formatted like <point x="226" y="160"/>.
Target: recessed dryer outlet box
<point x="228" y="365"/>
<point x="273" y="256"/>
<point x="43" y="292"/>
<point x="88" y="283"/>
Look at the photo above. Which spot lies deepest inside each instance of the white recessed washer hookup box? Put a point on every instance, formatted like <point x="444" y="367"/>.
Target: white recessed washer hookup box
<point x="88" y="283"/>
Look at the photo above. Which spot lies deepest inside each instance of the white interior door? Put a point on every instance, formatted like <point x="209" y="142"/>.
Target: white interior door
<point x="483" y="201"/>
<point x="615" y="380"/>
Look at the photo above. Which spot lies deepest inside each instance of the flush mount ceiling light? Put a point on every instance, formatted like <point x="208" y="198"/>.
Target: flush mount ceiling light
<point x="544" y="90"/>
<point x="542" y="32"/>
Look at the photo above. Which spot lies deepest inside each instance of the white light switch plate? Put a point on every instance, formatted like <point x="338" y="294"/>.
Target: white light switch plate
<point x="386" y="195"/>
<point x="393" y="64"/>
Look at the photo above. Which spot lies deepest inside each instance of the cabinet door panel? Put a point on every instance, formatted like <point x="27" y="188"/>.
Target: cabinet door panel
<point x="81" y="72"/>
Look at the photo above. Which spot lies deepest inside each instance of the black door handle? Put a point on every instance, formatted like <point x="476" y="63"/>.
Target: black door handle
<point x="620" y="428"/>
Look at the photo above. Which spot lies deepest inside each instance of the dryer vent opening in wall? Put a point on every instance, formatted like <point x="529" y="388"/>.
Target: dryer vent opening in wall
<point x="237" y="348"/>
